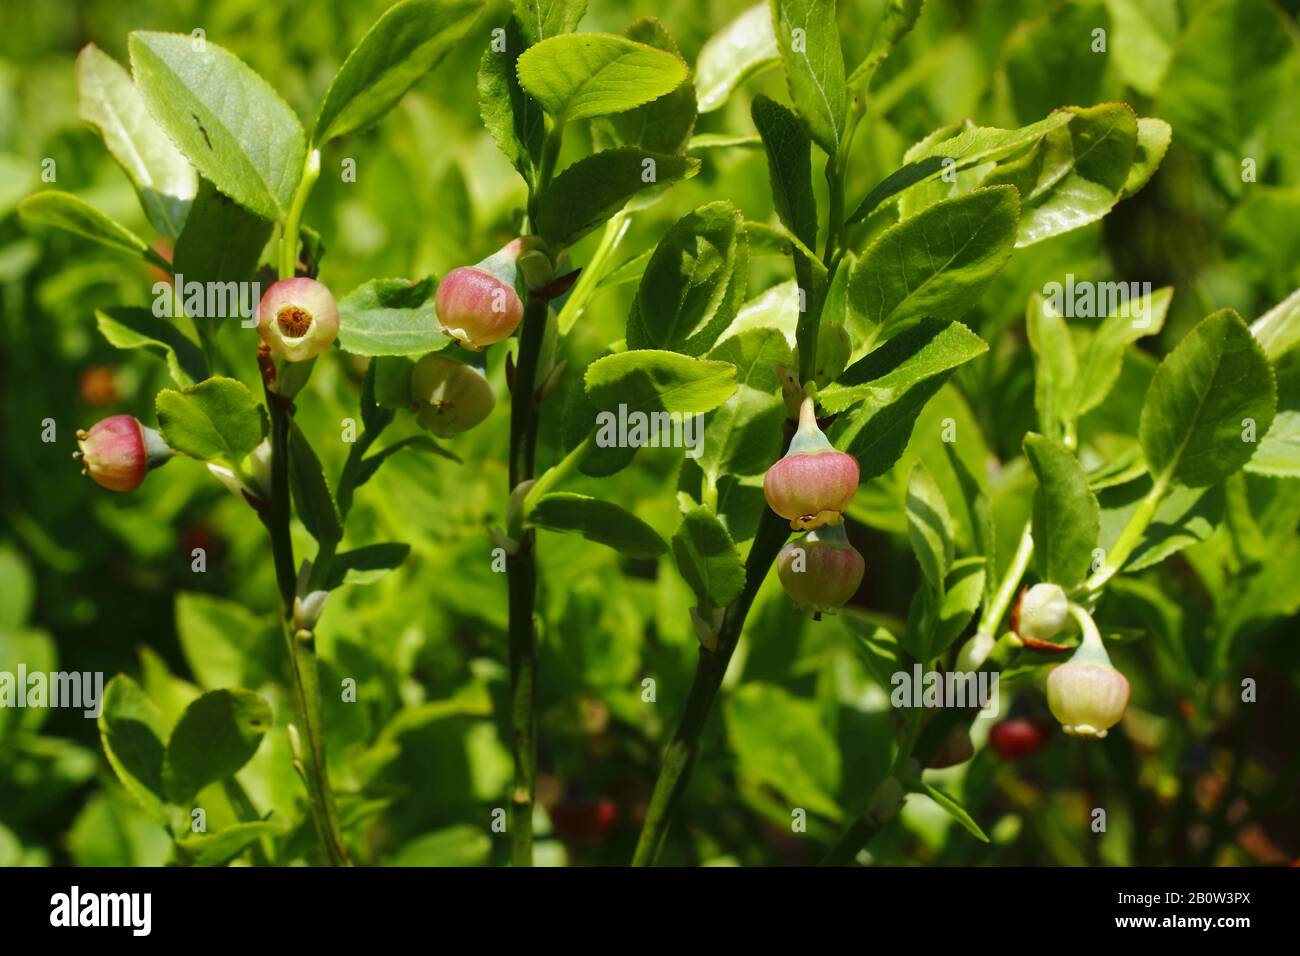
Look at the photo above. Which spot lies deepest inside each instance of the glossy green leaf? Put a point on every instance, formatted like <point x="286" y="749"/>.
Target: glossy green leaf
<point x="663" y="125"/>
<point x="694" y="283"/>
<point x="1278" y="329"/>
<point x="789" y="165"/>
<point x="216" y="419"/>
<point x="597" y="520"/>
<point x="1153" y="138"/>
<point x="108" y="100"/>
<point x="390" y="317"/>
<point x="1278" y="454"/>
<point x="514" y="119"/>
<point x="1208" y="395"/>
<point x="408" y="41"/>
<point x="886" y="374"/>
<point x="367" y="564"/>
<point x="214" y="738"/>
<point x="707" y="558"/>
<point x="743" y="48"/>
<point x="1055" y="367"/>
<point x="228" y="122"/>
<point x="808" y="38"/>
<point x="587" y="193"/>
<point x="1088" y="165"/>
<point x="1184" y="517"/>
<point x="581" y="75"/>
<point x="938" y="262"/>
<point x="651" y="380"/>
<point x="65" y="211"/>
<point x="131" y="730"/>
<point x="128" y="327"/>
<point x="221" y="242"/>
<point x="224" y="643"/>
<point x="895" y="183"/>
<point x="541" y="19"/>
<point x="1066" y="520"/>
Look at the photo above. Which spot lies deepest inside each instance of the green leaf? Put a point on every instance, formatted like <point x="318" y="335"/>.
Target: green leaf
<point x="663" y="125"/>
<point x="1278" y="329"/>
<point x="885" y="375"/>
<point x="129" y="327"/>
<point x="231" y="125"/>
<point x="1144" y="31"/>
<point x="938" y="262"/>
<point x="707" y="558"/>
<point x="814" y="66"/>
<point x="1204" y="397"/>
<point x="368" y="564"/>
<point x="216" y="419"/>
<point x="131" y="729"/>
<point x="601" y="521"/>
<point x="108" y="100"/>
<point x="218" y="849"/>
<point x="1055" y="367"/>
<point x="65" y="211"/>
<point x="694" y="284"/>
<point x="221" y="242"/>
<point x="595" y="187"/>
<point x="929" y="526"/>
<point x="216" y="735"/>
<point x="895" y="23"/>
<point x="1224" y="78"/>
<point x="1153" y="138"/>
<point x="780" y="740"/>
<point x="371" y="463"/>
<point x="895" y="183"/>
<point x="789" y="165"/>
<point x="512" y="117"/>
<point x="1103" y="353"/>
<point x="311" y="490"/>
<point x="743" y="48"/>
<point x="224" y="643"/>
<point x="541" y="19"/>
<point x="953" y="809"/>
<point x="459" y="845"/>
<point x="1050" y="61"/>
<point x="963" y="591"/>
<point x="408" y="41"/>
<point x="1088" y="165"/>
<point x="979" y="512"/>
<point x="1066" y="519"/>
<point x="1278" y="454"/>
<point x="650" y="380"/>
<point x="581" y="75"/>
<point x="390" y="317"/>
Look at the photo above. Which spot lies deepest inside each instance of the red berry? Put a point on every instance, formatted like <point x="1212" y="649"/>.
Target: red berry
<point x="1017" y="737"/>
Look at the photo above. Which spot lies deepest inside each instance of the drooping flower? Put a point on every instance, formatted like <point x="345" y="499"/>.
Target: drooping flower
<point x="483" y="304"/>
<point x="1086" y="693"/>
<point x="118" y="452"/>
<point x="298" y="318"/>
<point x="814" y="483"/>
<point x="450" y="396"/>
<point x="821" y="570"/>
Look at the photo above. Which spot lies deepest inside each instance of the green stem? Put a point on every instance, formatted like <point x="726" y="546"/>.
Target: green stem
<point x="291" y="225"/>
<point x="996" y="609"/>
<point x="521" y="575"/>
<point x="302" y="653"/>
<point x="682" y="752"/>
<point x="615" y="229"/>
<point x="1129" y="538"/>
